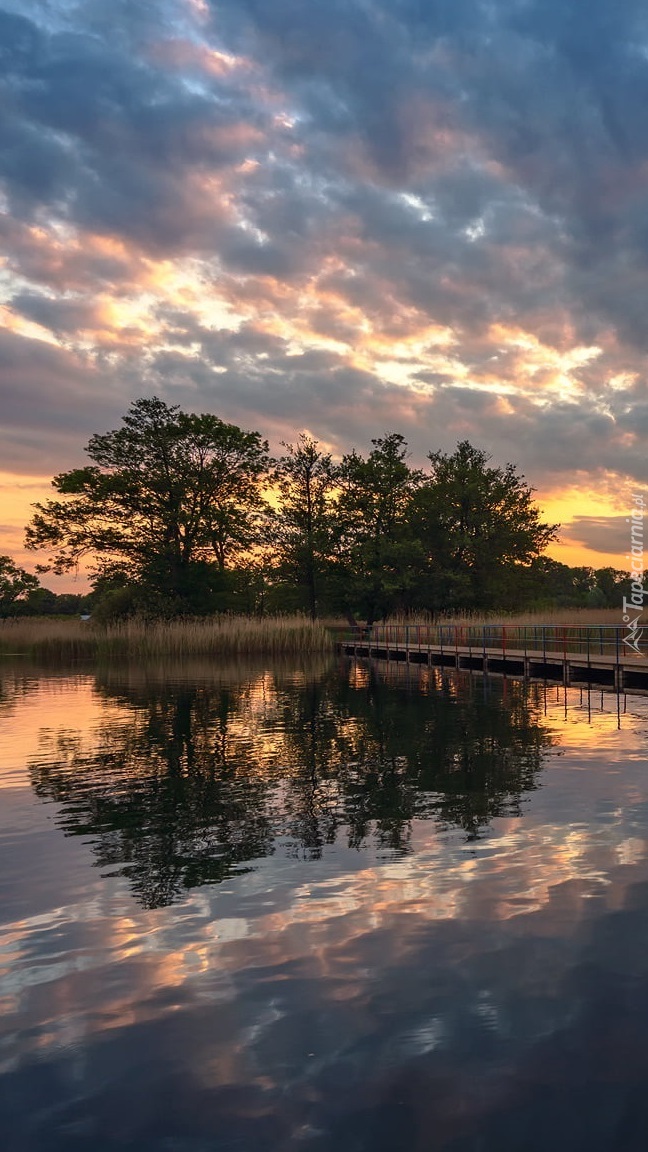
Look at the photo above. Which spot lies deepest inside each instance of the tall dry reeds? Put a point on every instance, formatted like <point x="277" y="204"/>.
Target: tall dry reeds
<point x="230" y="636"/>
<point x="47" y="638"/>
<point x="594" y="631"/>
<point x="556" y="616"/>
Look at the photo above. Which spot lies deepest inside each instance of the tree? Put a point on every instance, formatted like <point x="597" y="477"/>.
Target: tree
<point x="378" y="551"/>
<point x="44" y="602"/>
<point x="169" y="502"/>
<point x="306" y="477"/>
<point x="612" y="584"/>
<point x="15" y="585"/>
<point x="477" y="524"/>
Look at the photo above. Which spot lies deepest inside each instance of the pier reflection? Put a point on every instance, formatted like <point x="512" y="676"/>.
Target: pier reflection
<point x="443" y="929"/>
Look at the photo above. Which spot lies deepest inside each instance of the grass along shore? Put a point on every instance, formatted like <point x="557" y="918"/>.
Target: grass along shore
<point x="230" y="636"/>
<point x="570" y="617"/>
<point x="235" y="636"/>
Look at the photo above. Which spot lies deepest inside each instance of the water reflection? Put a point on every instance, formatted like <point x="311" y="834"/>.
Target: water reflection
<point x="407" y="964"/>
<point x="186" y="781"/>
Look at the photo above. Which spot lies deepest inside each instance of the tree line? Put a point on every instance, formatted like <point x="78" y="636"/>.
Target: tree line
<point x="180" y="513"/>
<point x="21" y="594"/>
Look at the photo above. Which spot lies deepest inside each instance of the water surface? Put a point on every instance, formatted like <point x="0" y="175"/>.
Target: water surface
<point x="332" y="908"/>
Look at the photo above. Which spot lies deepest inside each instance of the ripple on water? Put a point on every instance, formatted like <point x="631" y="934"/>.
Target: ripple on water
<point x="271" y="907"/>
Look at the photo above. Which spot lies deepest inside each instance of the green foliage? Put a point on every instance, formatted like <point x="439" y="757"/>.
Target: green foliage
<point x="378" y="553"/>
<point x="477" y="525"/>
<point x="305" y="525"/>
<point x="15" y="586"/>
<point x="548" y="583"/>
<point x="169" y="499"/>
<point x="44" y="602"/>
<point x="170" y="511"/>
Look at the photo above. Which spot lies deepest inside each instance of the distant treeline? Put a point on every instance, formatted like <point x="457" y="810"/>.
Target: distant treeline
<point x="184" y="514"/>
<point x="44" y="602"/>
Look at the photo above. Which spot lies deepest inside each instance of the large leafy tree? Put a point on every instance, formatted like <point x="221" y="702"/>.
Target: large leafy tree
<point x="16" y="585"/>
<point x="306" y="478"/>
<point x="169" y="501"/>
<point x="477" y="525"/>
<point x="377" y="548"/>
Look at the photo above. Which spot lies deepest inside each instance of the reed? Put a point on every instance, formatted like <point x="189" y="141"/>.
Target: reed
<point x="558" y="616"/>
<point x="230" y="636"/>
<point x="47" y="639"/>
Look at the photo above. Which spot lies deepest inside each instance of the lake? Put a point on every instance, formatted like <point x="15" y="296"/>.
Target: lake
<point x="332" y="908"/>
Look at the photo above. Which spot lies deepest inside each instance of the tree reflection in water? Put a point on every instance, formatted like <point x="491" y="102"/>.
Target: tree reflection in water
<point x="197" y="774"/>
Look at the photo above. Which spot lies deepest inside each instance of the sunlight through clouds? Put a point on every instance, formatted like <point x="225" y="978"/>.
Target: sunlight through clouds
<point x="354" y="221"/>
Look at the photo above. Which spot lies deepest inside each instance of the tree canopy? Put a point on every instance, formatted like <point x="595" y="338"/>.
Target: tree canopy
<point x="378" y="551"/>
<point x="169" y="501"/>
<point x="306" y="478"/>
<point x="15" y="585"/>
<point x="476" y="524"/>
<point x="180" y="512"/>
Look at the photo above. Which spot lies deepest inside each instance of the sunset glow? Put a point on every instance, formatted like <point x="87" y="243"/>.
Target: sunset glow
<point x="221" y="207"/>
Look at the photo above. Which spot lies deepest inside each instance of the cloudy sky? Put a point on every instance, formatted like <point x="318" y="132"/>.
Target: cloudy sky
<point x="349" y="216"/>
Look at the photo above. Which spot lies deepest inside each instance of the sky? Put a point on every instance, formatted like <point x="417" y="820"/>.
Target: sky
<point x="342" y="216"/>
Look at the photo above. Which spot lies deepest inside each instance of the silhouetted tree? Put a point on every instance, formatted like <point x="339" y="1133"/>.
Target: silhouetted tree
<point x="15" y="586"/>
<point x="306" y="478"/>
<point x="169" y="502"/>
<point x="378" y="549"/>
<point x="476" y="524"/>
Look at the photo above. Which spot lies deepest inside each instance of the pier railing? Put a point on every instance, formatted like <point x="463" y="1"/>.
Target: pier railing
<point x="555" y="641"/>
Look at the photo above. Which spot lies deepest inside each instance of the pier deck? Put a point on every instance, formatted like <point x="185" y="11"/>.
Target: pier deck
<point x="592" y="657"/>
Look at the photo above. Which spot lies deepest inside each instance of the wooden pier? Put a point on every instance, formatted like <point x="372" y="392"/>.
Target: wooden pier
<point x="567" y="655"/>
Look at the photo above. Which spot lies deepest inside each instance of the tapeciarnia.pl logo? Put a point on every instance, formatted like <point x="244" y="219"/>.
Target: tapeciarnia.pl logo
<point x="632" y="617"/>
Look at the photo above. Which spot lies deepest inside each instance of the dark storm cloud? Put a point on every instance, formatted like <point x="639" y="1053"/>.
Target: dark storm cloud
<point x="256" y="374"/>
<point x="609" y="534"/>
<point x="340" y="45"/>
<point x="52" y="400"/>
<point x="107" y="140"/>
<point x="405" y="163"/>
<point x="554" y="92"/>
<point x="60" y="316"/>
<point x="557" y="440"/>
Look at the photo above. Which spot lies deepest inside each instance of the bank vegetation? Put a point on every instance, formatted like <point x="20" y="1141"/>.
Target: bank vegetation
<point x="217" y="637"/>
